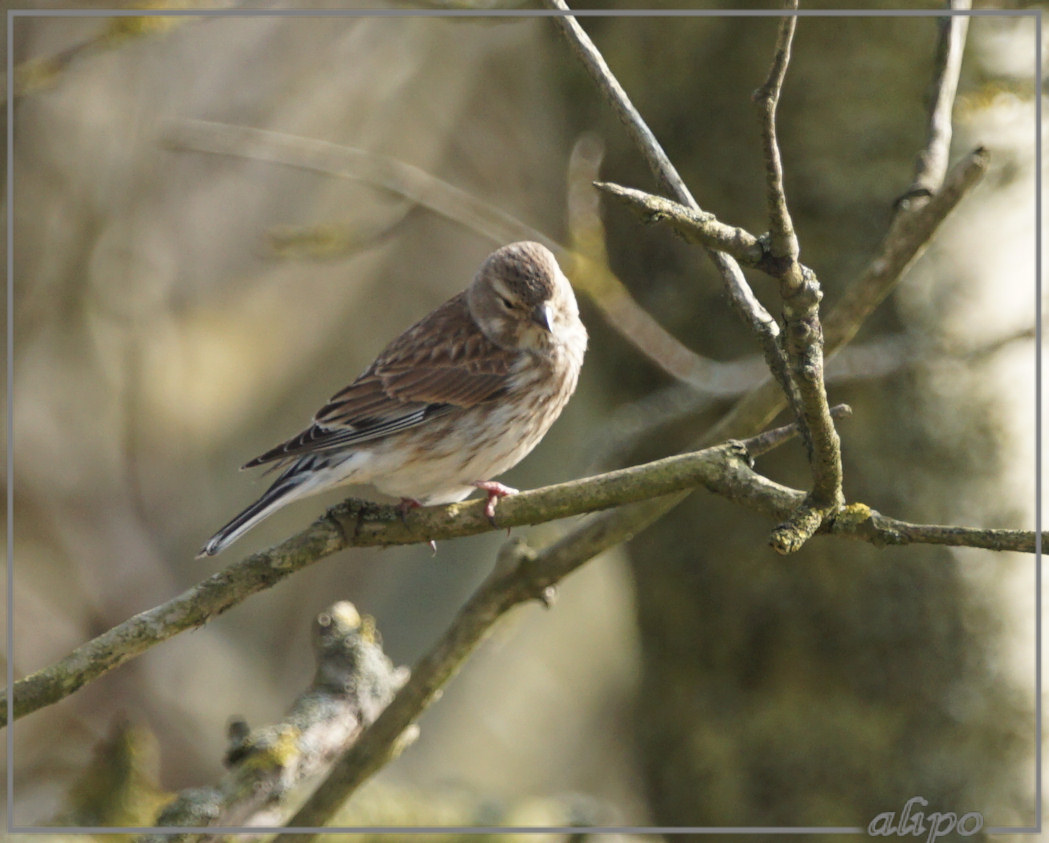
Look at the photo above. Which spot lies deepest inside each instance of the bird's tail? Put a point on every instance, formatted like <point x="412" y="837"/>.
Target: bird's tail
<point x="286" y="488"/>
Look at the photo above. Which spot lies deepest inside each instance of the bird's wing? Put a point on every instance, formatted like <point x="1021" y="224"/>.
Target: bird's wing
<point x="438" y="365"/>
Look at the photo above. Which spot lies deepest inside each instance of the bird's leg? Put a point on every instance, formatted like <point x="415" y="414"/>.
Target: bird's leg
<point x="495" y="491"/>
<point x="407" y="505"/>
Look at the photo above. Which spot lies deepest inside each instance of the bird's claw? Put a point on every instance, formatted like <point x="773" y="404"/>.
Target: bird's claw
<point x="495" y="491"/>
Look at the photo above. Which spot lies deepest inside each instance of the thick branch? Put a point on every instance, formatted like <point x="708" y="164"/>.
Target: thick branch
<point x="352" y="523"/>
<point x="353" y="682"/>
<point x="522" y="574"/>
<point x="657" y="487"/>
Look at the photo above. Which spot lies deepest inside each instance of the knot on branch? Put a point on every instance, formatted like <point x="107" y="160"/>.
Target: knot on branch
<point x="804" y="334"/>
<point x="802" y="525"/>
<point x="351" y="662"/>
<point x="516" y="562"/>
<point x="800" y="290"/>
<point x="744" y="452"/>
<point x="771" y="262"/>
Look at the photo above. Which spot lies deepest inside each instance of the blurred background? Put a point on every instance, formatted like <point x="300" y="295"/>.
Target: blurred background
<point x="178" y="311"/>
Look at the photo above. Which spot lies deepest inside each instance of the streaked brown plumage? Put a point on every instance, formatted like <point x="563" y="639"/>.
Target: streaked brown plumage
<point x="457" y="399"/>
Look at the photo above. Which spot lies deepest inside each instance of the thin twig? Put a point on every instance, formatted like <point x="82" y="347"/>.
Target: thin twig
<point x="617" y="98"/>
<point x="765" y="442"/>
<point x="742" y="298"/>
<point x="698" y="227"/>
<point x="931" y="167"/>
<point x="784" y="242"/>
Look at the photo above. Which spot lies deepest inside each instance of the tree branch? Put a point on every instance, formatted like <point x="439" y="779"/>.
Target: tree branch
<point x="770" y="439"/>
<point x="742" y="297"/>
<point x="700" y="227"/>
<point x="352" y="523"/>
<point x="784" y="242"/>
<point x="903" y="244"/>
<point x="617" y="98"/>
<point x="522" y="574"/>
<point x="654" y="487"/>
<point x="803" y="338"/>
<point x="932" y="161"/>
<point x="354" y="681"/>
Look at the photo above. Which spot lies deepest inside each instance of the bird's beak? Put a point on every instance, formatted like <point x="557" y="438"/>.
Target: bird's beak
<point x="542" y="316"/>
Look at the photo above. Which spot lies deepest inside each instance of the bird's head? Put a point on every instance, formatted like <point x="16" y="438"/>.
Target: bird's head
<point x="521" y="298"/>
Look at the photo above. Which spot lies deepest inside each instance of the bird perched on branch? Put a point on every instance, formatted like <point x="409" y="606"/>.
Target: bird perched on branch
<point x="457" y="399"/>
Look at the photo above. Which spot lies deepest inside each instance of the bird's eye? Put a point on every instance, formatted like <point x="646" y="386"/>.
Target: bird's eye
<point x="506" y="302"/>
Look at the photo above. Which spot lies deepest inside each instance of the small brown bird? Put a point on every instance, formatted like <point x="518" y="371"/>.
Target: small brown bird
<point x="457" y="399"/>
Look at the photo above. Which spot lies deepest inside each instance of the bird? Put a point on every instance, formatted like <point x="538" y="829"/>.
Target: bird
<point x="457" y="399"/>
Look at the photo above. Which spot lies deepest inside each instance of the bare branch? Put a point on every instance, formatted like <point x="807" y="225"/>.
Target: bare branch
<point x="698" y="227"/>
<point x="741" y="296"/>
<point x="353" y="682"/>
<point x="784" y="241"/>
<point x="860" y="522"/>
<point x="931" y="167"/>
<point x="655" y="487"/>
<point x="803" y="337"/>
<point x="353" y="523"/>
<point x="765" y="442"/>
<point x="522" y="574"/>
<point x="646" y="142"/>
